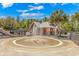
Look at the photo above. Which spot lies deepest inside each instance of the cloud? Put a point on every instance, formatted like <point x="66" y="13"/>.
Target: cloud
<point x="63" y="4"/>
<point x="31" y="14"/>
<point x="3" y="17"/>
<point x="6" y="5"/>
<point x="30" y="6"/>
<point x="54" y="4"/>
<point x="22" y="11"/>
<point x="36" y="7"/>
<point x="37" y="3"/>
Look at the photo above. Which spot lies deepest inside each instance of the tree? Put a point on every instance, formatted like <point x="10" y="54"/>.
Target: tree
<point x="76" y="16"/>
<point x="45" y="19"/>
<point x="67" y="26"/>
<point x="58" y="16"/>
<point x="9" y="23"/>
<point x="1" y="22"/>
<point x="18" y="19"/>
<point x="23" y="24"/>
<point x="75" y="20"/>
<point x="30" y="21"/>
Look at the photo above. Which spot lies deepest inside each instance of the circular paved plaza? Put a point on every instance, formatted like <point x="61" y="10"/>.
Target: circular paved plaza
<point x="40" y="45"/>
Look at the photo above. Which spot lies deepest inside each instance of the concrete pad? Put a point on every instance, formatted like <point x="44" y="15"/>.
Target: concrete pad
<point x="8" y="48"/>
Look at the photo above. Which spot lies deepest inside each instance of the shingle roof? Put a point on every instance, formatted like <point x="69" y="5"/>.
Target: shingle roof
<point x="37" y="24"/>
<point x="44" y="24"/>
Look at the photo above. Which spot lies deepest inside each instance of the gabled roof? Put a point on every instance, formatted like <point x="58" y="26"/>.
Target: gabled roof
<point x="43" y="25"/>
<point x="37" y="24"/>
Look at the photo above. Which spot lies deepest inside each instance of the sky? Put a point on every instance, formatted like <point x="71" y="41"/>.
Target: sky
<point x="35" y="10"/>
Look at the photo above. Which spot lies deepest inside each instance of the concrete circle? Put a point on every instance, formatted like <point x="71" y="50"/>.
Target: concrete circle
<point x="37" y="42"/>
